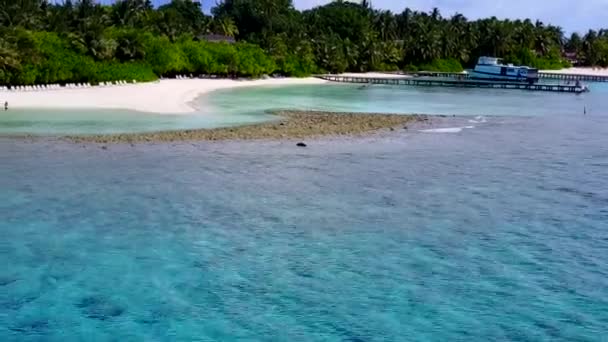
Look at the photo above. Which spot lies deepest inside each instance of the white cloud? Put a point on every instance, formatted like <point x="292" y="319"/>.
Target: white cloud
<point x="578" y="15"/>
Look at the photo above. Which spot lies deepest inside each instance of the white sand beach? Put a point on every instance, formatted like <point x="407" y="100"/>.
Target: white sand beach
<point x="170" y="96"/>
<point x="580" y="71"/>
<point x="164" y="97"/>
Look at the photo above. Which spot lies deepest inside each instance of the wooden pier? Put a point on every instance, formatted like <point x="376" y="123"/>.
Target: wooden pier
<point x="541" y="75"/>
<point x="572" y="77"/>
<point x="452" y="82"/>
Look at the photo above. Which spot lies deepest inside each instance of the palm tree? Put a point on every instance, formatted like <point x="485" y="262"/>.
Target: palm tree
<point x="385" y="24"/>
<point x="130" y="12"/>
<point x="457" y="39"/>
<point x="556" y="35"/>
<point x="269" y="9"/>
<point x="225" y="26"/>
<point x="435" y="14"/>
<point x="574" y="43"/>
<point x="183" y="17"/>
<point x="351" y="53"/>
<point x="130" y="45"/>
<point x="523" y="34"/>
<point x="588" y="47"/>
<point x="23" y="13"/>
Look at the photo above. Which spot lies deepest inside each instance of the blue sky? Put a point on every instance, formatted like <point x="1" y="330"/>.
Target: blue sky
<point x="579" y="15"/>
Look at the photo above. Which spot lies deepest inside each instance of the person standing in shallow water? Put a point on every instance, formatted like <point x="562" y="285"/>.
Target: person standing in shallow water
<point x="6" y="105"/>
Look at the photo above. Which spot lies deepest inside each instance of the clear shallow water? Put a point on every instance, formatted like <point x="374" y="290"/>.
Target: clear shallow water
<point x="61" y="122"/>
<point x="407" y="100"/>
<point x="496" y="233"/>
<point x="249" y="105"/>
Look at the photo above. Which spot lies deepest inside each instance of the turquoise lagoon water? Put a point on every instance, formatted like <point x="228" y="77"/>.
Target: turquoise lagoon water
<point x="88" y="121"/>
<point x="496" y="233"/>
<point x="249" y="105"/>
<point x="404" y="100"/>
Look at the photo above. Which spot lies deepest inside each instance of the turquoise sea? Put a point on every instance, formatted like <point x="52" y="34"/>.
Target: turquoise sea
<point x="495" y="233"/>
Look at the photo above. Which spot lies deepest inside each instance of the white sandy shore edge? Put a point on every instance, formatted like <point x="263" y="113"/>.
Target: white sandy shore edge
<point x="163" y="97"/>
<point x="580" y="71"/>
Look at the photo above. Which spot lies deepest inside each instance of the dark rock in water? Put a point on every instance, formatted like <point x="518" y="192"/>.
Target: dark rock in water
<point x="104" y="147"/>
<point x="301" y="144"/>
<point x="392" y="129"/>
<point x="404" y="127"/>
<point x="100" y="308"/>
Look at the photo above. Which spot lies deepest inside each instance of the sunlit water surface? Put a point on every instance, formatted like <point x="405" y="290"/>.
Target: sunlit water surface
<point x="250" y="105"/>
<point x="404" y="100"/>
<point x="496" y="233"/>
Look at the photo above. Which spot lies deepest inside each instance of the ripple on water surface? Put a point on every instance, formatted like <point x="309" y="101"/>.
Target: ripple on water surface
<point x="87" y="121"/>
<point x="248" y="105"/>
<point x="493" y="233"/>
<point x="407" y="100"/>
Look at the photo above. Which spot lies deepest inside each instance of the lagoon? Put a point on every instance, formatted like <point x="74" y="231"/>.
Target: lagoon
<point x="249" y="105"/>
<point x="497" y="232"/>
<point x="406" y="100"/>
<point x="494" y="233"/>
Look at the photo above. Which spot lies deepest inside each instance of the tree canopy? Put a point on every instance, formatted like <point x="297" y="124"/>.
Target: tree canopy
<point x="84" y="41"/>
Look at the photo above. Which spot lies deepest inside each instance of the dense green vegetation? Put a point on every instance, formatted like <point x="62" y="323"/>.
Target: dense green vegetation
<point x="83" y="41"/>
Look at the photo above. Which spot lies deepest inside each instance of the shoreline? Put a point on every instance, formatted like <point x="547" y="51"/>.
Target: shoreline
<point x="585" y="71"/>
<point x="290" y="125"/>
<point x="171" y="96"/>
<point x="161" y="97"/>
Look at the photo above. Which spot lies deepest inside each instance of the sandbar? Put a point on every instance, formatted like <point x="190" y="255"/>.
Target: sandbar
<point x="289" y="124"/>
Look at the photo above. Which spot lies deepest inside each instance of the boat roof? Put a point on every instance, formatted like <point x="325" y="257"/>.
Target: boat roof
<point x="497" y="61"/>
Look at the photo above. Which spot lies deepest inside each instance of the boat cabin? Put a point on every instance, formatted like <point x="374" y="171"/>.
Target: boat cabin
<point x="491" y="68"/>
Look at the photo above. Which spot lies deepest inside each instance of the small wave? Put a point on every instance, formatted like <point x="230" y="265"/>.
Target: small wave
<point x="443" y="130"/>
<point x="446" y="129"/>
<point x="479" y="119"/>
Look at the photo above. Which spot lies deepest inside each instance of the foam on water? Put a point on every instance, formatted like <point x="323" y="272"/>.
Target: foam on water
<point x="443" y="130"/>
<point x="479" y="119"/>
<point x="446" y="129"/>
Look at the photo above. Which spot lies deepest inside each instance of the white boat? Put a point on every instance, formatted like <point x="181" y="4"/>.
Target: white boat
<point x="491" y="68"/>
